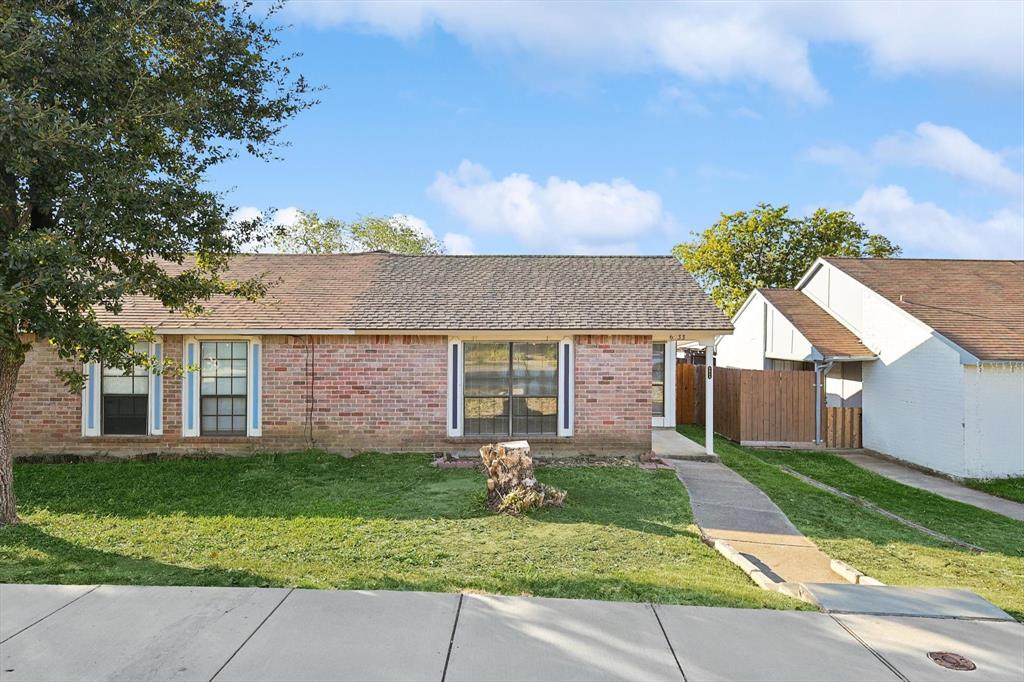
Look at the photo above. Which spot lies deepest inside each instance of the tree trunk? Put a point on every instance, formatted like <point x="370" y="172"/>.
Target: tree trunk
<point x="9" y="367"/>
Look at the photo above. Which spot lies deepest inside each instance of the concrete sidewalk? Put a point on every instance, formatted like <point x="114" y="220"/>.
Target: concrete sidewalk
<point x="728" y="507"/>
<point x="668" y="443"/>
<point x="935" y="484"/>
<point x="207" y="633"/>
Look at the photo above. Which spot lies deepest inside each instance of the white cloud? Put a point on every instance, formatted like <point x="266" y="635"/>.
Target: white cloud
<point x="744" y="112"/>
<point x="941" y="148"/>
<point x="842" y="156"/>
<point x="286" y="216"/>
<point x="923" y="228"/>
<point x="559" y="215"/>
<point x="418" y="224"/>
<point x="952" y="151"/>
<point x="458" y="244"/>
<point x="764" y="43"/>
<point x="245" y="213"/>
<point x="672" y="97"/>
<point x="454" y="243"/>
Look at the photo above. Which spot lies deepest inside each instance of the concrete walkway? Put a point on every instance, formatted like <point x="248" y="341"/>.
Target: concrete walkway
<point x="935" y="484"/>
<point x="728" y="507"/>
<point x="670" y="444"/>
<point x="211" y="633"/>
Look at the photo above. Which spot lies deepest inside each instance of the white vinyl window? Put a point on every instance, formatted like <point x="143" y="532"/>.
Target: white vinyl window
<point x="663" y="383"/>
<point x="223" y="388"/>
<point x="125" y="406"/>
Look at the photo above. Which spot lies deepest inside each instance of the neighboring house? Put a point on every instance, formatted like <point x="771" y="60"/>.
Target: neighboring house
<point x="392" y="353"/>
<point x="932" y="349"/>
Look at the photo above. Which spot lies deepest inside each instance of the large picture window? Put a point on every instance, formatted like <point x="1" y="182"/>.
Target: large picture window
<point x="510" y="388"/>
<point x="223" y="381"/>
<point x="658" y="381"/>
<point x="126" y="399"/>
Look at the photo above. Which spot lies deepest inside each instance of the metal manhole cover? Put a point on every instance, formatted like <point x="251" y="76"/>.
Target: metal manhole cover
<point x="952" y="661"/>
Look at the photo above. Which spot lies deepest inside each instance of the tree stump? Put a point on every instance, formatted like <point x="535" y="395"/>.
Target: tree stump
<point x="512" y="487"/>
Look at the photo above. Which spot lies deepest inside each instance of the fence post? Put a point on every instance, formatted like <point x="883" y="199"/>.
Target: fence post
<point x="709" y="401"/>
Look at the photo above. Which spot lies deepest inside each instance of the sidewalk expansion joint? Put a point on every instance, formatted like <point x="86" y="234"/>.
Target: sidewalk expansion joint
<point x="255" y="630"/>
<point x="668" y="641"/>
<point x="882" y="659"/>
<point x="451" y="641"/>
<point x="9" y="637"/>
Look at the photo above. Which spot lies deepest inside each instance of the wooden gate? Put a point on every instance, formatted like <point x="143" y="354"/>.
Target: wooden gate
<point x="842" y="427"/>
<point x="689" y="394"/>
<point x="756" y="407"/>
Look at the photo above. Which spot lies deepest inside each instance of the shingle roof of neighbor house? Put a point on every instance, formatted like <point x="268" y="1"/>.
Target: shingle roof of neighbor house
<point x="976" y="304"/>
<point x="825" y="333"/>
<point x="381" y="291"/>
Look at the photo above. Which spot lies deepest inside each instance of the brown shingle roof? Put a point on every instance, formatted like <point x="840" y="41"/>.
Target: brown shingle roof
<point x="977" y="304"/>
<point x="831" y="338"/>
<point x="380" y="291"/>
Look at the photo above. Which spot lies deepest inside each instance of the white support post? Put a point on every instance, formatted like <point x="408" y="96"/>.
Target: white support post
<point x="709" y="400"/>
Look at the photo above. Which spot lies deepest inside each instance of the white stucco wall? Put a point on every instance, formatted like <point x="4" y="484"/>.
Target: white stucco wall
<point x="913" y="396"/>
<point x="744" y="348"/>
<point x="994" y="420"/>
<point x="843" y="385"/>
<point x="762" y="331"/>
<point x="784" y="341"/>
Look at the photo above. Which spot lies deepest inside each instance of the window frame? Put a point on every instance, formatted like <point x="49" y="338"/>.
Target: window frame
<point x="668" y="418"/>
<point x="148" y="395"/>
<point x="510" y="396"/>
<point x="664" y="373"/>
<point x="246" y="378"/>
<point x="190" y="385"/>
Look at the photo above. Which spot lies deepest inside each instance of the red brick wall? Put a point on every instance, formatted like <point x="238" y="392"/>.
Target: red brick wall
<point x="613" y="393"/>
<point x="384" y="393"/>
<point x="371" y="392"/>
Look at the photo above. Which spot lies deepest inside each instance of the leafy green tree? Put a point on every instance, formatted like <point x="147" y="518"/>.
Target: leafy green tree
<point x="312" y="234"/>
<point x="766" y="247"/>
<point x="111" y="114"/>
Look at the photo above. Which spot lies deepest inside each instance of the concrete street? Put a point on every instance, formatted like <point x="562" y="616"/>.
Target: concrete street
<point x="206" y="633"/>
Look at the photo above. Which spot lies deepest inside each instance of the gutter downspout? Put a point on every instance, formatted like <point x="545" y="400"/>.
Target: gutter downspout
<point x="820" y="370"/>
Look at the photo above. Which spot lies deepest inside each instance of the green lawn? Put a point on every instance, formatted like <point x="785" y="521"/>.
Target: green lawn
<point x="370" y="522"/>
<point x="1010" y="488"/>
<point x="876" y="545"/>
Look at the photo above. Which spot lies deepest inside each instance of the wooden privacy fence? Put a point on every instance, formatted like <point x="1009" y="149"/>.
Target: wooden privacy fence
<point x="842" y="427"/>
<point x="764" y="407"/>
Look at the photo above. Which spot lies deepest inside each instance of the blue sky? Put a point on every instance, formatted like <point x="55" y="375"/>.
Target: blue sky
<point x="621" y="128"/>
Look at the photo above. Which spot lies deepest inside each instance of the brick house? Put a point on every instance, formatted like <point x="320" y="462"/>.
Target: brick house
<point x="386" y="352"/>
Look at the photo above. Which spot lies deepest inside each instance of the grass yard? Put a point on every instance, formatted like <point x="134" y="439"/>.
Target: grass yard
<point x="370" y="522"/>
<point x="1010" y="488"/>
<point x="876" y="545"/>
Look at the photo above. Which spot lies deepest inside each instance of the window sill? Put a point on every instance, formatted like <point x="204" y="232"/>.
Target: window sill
<point x="499" y="438"/>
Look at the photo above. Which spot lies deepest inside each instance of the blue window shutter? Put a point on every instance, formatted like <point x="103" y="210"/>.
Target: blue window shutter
<point x="156" y="391"/>
<point x="91" y="400"/>
<point x="454" y="388"/>
<point x="190" y="389"/>
<point x="566" y="387"/>
<point x="255" y="397"/>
